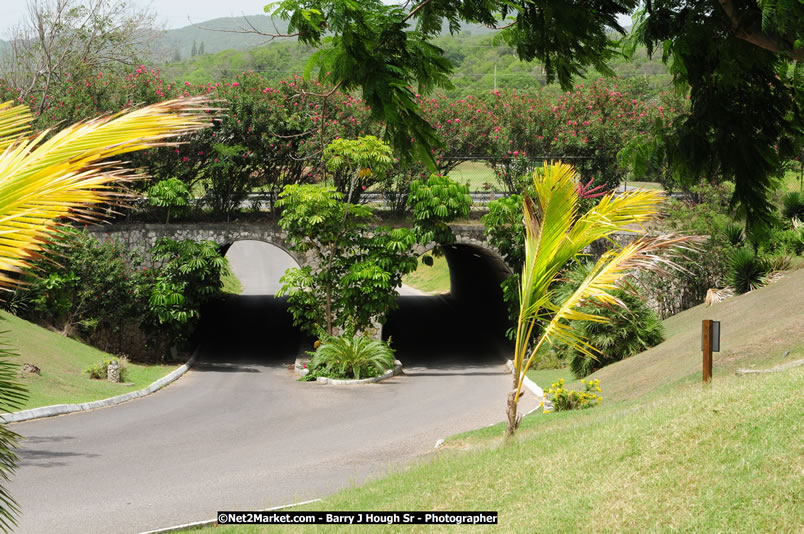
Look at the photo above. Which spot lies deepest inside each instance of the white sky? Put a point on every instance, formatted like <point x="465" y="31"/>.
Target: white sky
<point x="174" y="13"/>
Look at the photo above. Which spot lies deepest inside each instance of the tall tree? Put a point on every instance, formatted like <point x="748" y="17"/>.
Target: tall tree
<point x="739" y="58"/>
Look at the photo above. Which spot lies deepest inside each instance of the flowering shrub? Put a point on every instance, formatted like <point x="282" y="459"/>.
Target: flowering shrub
<point x="567" y="399"/>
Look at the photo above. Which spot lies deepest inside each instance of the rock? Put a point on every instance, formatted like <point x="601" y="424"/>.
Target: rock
<point x="113" y="371"/>
<point x="31" y="369"/>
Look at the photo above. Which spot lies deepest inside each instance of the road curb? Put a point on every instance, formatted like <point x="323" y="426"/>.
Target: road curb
<point x="209" y="522"/>
<point x="62" y="409"/>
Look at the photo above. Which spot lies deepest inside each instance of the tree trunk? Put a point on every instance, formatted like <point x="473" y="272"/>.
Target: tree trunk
<point x="513" y="418"/>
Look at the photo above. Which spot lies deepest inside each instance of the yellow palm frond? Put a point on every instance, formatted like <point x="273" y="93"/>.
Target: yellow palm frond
<point x="555" y="233"/>
<point x="69" y="177"/>
<point x="14" y="122"/>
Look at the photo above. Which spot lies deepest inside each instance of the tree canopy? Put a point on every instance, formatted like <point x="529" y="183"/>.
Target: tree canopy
<point x="739" y="60"/>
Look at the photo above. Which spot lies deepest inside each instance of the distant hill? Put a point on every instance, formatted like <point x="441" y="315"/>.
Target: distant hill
<point x="216" y="35"/>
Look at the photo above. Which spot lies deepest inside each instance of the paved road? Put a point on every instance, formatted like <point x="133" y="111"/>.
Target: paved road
<point x="238" y="432"/>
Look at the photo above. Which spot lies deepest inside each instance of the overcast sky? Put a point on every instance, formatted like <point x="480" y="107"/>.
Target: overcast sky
<point x="174" y="13"/>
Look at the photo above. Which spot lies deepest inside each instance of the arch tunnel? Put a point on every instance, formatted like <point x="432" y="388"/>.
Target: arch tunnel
<point x="463" y="328"/>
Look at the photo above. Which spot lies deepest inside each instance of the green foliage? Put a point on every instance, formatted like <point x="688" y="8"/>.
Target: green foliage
<point x="747" y="270"/>
<point x="171" y="194"/>
<point x="784" y="241"/>
<point x="87" y="285"/>
<point x="357" y="164"/>
<point x="12" y="396"/>
<point x="435" y="202"/>
<point x="734" y="234"/>
<point x="736" y="60"/>
<point x="793" y="205"/>
<point x="351" y="357"/>
<point x="99" y="371"/>
<point x="190" y="273"/>
<point x="386" y="50"/>
<point x="567" y="399"/>
<point x="360" y="267"/>
<point x="626" y="330"/>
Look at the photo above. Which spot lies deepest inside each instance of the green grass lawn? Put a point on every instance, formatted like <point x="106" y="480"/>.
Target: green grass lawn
<point x="663" y="453"/>
<point x="231" y="284"/>
<point x="475" y="174"/>
<point x="429" y="279"/>
<point x="63" y="361"/>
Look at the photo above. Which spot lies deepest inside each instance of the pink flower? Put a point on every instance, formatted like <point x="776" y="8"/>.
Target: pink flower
<point x="187" y="83"/>
<point x="235" y="84"/>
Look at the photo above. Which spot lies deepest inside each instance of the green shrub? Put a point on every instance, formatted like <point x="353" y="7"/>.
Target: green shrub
<point x="566" y="399"/>
<point x="784" y="241"/>
<point x="351" y="357"/>
<point x="747" y="271"/>
<point x="793" y="206"/>
<point x="734" y="234"/>
<point x="100" y="370"/>
<point x="627" y="332"/>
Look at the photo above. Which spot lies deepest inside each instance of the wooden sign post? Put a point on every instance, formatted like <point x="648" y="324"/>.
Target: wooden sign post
<point x="710" y="342"/>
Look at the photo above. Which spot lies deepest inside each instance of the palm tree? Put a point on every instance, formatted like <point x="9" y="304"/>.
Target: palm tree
<point x="556" y="233"/>
<point x="55" y="178"/>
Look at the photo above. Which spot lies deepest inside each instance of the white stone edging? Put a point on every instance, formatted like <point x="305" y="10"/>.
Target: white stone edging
<point x="61" y="409"/>
<point x="303" y="371"/>
<point x="210" y="522"/>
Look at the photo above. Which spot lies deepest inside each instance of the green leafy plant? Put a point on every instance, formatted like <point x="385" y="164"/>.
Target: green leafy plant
<point x="557" y="233"/>
<point x="360" y="266"/>
<point x="564" y="399"/>
<point x="435" y="202"/>
<point x="189" y="274"/>
<point x="170" y="194"/>
<point x="351" y="357"/>
<point x="626" y="330"/>
<point x="793" y="206"/>
<point x="734" y="234"/>
<point x="747" y="270"/>
<point x="100" y="371"/>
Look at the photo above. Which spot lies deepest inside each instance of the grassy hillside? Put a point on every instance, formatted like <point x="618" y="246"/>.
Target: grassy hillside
<point x="756" y="330"/>
<point x="663" y="453"/>
<point x="430" y="279"/>
<point x="63" y="361"/>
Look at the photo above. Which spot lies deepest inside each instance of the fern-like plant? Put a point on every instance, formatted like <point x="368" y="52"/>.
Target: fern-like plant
<point x="747" y="271"/>
<point x="351" y="357"/>
<point x="627" y="330"/>
<point x="734" y="234"/>
<point x="793" y="206"/>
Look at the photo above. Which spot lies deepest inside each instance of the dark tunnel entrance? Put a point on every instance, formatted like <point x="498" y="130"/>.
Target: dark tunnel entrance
<point x="461" y="329"/>
<point x="253" y="327"/>
<point x="465" y="327"/>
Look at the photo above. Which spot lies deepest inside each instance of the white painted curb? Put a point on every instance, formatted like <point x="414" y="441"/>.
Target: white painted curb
<point x="61" y="409"/>
<point x="188" y="526"/>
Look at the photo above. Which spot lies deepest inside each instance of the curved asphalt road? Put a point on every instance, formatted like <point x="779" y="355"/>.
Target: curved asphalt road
<point x="238" y="432"/>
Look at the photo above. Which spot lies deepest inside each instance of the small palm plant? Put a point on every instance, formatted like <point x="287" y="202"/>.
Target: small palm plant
<point x="351" y="357"/>
<point x="50" y="179"/>
<point x="555" y="233"/>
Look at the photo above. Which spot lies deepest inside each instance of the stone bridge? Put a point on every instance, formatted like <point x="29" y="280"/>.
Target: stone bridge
<point x="475" y="266"/>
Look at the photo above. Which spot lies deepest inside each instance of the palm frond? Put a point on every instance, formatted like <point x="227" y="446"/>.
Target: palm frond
<point x="70" y="177"/>
<point x="14" y="122"/>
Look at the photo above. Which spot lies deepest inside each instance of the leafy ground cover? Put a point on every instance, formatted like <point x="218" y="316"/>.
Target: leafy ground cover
<point x="63" y="361"/>
<point x="231" y="284"/>
<point x="662" y="453"/>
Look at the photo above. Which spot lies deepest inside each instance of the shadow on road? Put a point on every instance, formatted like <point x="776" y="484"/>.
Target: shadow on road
<point x="46" y="458"/>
